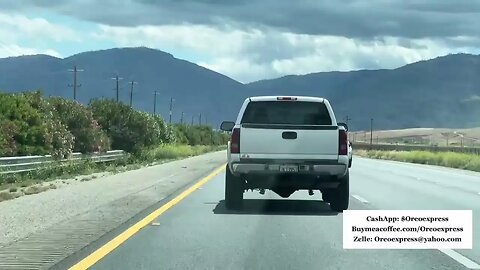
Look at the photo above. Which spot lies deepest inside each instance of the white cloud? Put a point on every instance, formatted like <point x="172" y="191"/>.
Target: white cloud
<point x="198" y="38"/>
<point x="474" y="98"/>
<point x="249" y="55"/>
<point x="21" y="35"/>
<point x="331" y="53"/>
<point x="7" y="50"/>
<point x="35" y="28"/>
<point x="240" y="69"/>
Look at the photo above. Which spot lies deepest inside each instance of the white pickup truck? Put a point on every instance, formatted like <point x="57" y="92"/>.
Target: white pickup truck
<point x="286" y="144"/>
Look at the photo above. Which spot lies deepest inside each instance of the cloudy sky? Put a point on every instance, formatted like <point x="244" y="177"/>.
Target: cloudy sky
<point x="249" y="40"/>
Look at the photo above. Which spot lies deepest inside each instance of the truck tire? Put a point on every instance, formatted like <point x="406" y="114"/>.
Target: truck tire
<point x="341" y="195"/>
<point x="233" y="190"/>
<point x="327" y="195"/>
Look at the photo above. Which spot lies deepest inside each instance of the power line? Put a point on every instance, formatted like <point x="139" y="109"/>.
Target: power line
<point x="75" y="85"/>
<point x="117" y="88"/>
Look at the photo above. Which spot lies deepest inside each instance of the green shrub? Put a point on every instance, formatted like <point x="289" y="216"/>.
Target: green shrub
<point x="89" y="137"/>
<point x="167" y="132"/>
<point x="199" y="135"/>
<point x="33" y="125"/>
<point x="30" y="127"/>
<point x="8" y="145"/>
<point x="128" y="129"/>
<point x="22" y="130"/>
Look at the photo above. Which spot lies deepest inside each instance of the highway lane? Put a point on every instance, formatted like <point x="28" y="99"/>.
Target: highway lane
<point x="300" y="232"/>
<point x="396" y="185"/>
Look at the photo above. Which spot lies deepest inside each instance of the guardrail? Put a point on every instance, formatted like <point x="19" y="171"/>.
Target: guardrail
<point x="31" y="163"/>
<point x="395" y="147"/>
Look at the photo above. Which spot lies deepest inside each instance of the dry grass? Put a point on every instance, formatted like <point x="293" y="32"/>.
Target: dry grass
<point x="6" y="196"/>
<point x="447" y="159"/>
<point x="163" y="152"/>
<point x="35" y="189"/>
<point x="433" y="136"/>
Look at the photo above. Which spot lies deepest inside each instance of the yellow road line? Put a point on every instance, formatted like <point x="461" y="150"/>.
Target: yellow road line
<point x="125" y="235"/>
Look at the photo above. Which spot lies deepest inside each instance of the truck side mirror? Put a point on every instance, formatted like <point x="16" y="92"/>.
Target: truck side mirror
<point x="343" y="125"/>
<point x="227" y="125"/>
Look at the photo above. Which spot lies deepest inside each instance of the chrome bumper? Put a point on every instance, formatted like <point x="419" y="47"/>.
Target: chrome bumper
<point x="337" y="169"/>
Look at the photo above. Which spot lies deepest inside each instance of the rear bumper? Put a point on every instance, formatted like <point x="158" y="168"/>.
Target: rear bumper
<point x="315" y="168"/>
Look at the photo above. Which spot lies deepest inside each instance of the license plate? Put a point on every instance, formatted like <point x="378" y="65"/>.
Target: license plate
<point x="288" y="168"/>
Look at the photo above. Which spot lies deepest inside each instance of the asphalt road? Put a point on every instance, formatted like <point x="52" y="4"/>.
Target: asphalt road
<point x="300" y="232"/>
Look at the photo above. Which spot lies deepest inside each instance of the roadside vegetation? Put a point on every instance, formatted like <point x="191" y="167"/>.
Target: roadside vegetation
<point x="31" y="124"/>
<point x="447" y="159"/>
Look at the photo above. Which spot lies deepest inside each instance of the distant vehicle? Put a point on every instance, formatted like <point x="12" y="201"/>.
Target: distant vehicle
<point x="287" y="144"/>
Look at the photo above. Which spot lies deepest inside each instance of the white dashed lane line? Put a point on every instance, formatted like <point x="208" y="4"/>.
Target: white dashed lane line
<point x="449" y="252"/>
<point x="460" y="258"/>
<point x="360" y="198"/>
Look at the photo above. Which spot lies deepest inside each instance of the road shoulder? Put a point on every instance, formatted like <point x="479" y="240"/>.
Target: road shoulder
<point x="64" y="221"/>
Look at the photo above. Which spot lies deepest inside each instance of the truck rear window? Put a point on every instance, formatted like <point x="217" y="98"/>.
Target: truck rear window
<point x="286" y="113"/>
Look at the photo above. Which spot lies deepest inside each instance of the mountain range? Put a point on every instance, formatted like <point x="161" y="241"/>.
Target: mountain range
<point x="442" y="92"/>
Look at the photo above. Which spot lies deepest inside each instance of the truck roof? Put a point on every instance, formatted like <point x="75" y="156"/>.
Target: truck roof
<point x="298" y="98"/>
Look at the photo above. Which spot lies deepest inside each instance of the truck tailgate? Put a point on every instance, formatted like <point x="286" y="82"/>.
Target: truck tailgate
<point x="309" y="142"/>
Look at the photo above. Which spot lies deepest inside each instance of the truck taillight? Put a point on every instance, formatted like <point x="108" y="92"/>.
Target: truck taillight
<point x="342" y="142"/>
<point x="235" y="141"/>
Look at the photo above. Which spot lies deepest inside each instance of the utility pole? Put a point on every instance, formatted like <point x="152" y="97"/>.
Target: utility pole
<point x="171" y="108"/>
<point x="131" y="91"/>
<point x="181" y="119"/>
<point x="347" y="119"/>
<point x="200" y="119"/>
<point x="75" y="85"/>
<point x="155" y="102"/>
<point x="447" y="136"/>
<point x="371" y="131"/>
<point x="117" y="88"/>
<point x="192" y="119"/>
